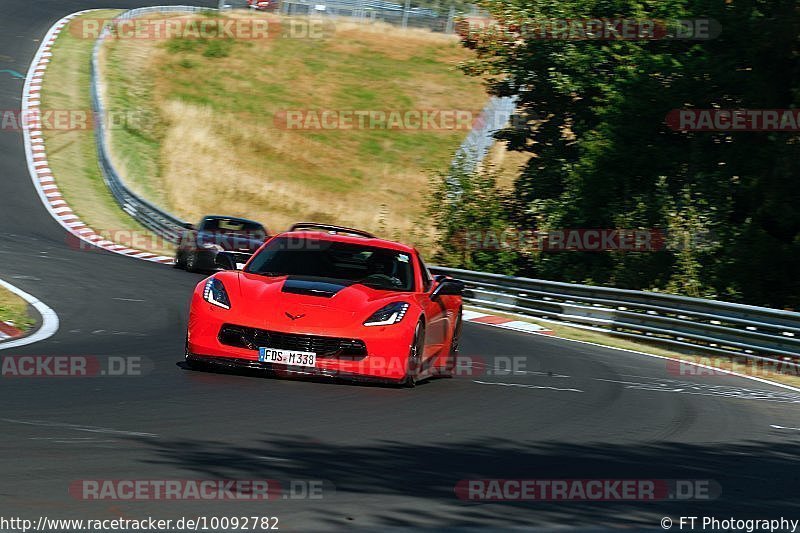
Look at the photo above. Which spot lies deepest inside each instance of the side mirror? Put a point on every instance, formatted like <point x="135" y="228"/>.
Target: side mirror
<point x="225" y="261"/>
<point x="448" y="287"/>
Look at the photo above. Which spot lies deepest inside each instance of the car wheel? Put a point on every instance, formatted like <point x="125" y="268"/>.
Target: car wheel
<point x="179" y="260"/>
<point x="190" y="261"/>
<point x="414" y="363"/>
<point x="450" y="366"/>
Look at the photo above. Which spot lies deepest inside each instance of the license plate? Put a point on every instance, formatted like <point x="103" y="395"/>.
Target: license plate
<point x="287" y="357"/>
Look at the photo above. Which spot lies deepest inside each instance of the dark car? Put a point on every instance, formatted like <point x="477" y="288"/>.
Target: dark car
<point x="200" y="245"/>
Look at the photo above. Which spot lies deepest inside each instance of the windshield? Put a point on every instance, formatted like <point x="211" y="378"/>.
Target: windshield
<point x="232" y="225"/>
<point x="374" y="267"/>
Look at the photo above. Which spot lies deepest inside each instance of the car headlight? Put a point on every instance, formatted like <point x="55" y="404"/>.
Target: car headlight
<point x="388" y="315"/>
<point x="215" y="294"/>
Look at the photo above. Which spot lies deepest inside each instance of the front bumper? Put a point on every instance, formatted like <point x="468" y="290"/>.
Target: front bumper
<point x="386" y="358"/>
<point x="284" y="371"/>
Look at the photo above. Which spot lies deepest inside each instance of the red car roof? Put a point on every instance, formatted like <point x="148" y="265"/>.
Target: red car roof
<point x="339" y="237"/>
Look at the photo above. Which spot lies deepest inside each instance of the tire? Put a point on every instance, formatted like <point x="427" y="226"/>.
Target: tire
<point x="414" y="361"/>
<point x="190" y="261"/>
<point x="450" y="366"/>
<point x="189" y="359"/>
<point x="179" y="260"/>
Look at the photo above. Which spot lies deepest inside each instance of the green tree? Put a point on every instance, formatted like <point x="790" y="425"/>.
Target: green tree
<point x="593" y="114"/>
<point x="471" y="216"/>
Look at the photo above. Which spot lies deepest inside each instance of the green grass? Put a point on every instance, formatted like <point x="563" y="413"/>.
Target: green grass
<point x="14" y="310"/>
<point x="135" y="147"/>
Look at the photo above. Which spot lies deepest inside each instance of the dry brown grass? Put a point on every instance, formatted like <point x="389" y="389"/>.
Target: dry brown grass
<point x="506" y="165"/>
<point x="206" y="168"/>
<point x="220" y="151"/>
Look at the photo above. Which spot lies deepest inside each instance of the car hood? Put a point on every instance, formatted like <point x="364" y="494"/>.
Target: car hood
<point x="295" y="303"/>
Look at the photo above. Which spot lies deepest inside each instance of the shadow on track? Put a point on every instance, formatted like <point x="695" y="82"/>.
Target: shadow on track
<point x="757" y="479"/>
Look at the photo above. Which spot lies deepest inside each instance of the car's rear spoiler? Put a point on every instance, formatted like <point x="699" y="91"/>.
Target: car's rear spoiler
<point x="300" y="226"/>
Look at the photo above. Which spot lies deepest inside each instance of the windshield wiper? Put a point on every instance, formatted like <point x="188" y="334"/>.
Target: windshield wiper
<point x="376" y="285"/>
<point x="269" y="274"/>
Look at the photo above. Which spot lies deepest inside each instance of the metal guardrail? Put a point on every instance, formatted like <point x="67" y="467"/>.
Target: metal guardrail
<point x="481" y="138"/>
<point x="154" y="218"/>
<point x="363" y="11"/>
<point x="707" y="326"/>
<point x="701" y="325"/>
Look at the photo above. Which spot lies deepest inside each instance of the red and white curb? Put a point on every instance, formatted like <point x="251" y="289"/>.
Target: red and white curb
<point x="503" y="322"/>
<point x="8" y="331"/>
<point x="39" y="167"/>
<point x="13" y="337"/>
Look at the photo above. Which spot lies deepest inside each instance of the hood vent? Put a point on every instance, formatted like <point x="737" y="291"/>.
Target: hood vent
<point x="320" y="287"/>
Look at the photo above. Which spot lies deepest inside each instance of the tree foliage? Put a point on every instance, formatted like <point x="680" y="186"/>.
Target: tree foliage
<point x="592" y="115"/>
<point x="466" y="210"/>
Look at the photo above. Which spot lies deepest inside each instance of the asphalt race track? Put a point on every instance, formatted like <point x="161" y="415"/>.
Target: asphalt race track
<point x="573" y="411"/>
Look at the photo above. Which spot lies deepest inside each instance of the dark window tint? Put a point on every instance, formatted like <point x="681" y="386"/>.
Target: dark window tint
<point x="379" y="268"/>
<point x="230" y="225"/>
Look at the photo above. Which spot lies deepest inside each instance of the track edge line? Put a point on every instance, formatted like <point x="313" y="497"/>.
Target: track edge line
<point x="699" y="365"/>
<point x="48" y="328"/>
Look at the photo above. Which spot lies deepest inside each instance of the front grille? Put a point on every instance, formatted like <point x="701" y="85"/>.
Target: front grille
<point x="254" y="338"/>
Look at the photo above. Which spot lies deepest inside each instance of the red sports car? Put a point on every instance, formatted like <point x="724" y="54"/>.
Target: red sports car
<point x="328" y="301"/>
